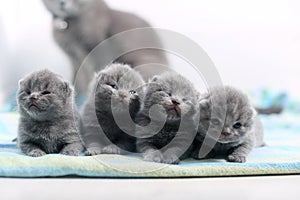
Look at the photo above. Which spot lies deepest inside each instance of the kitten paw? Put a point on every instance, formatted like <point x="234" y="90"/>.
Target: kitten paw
<point x="153" y="156"/>
<point x="236" y="158"/>
<point x="171" y="159"/>
<point x="70" y="152"/>
<point x="93" y="151"/>
<point x="111" y="149"/>
<point x="36" y="153"/>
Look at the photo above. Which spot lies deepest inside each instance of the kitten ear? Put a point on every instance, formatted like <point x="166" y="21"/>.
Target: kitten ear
<point x="252" y="112"/>
<point x="21" y="81"/>
<point x="100" y="75"/>
<point x="198" y="95"/>
<point x="154" y="78"/>
<point x="66" y="88"/>
<point x="204" y="100"/>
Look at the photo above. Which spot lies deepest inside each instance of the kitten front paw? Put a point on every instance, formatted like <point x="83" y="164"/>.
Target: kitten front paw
<point x="92" y="151"/>
<point x="36" y="153"/>
<point x="171" y="159"/>
<point x="153" y="156"/>
<point x="111" y="149"/>
<point x="70" y="152"/>
<point x="236" y="158"/>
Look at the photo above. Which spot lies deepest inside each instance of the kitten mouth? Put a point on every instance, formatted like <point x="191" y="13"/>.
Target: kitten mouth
<point x="121" y="103"/>
<point x="174" y="111"/>
<point x="33" y="105"/>
<point x="226" y="139"/>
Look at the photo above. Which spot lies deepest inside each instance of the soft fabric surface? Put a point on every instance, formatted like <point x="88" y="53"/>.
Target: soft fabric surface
<point x="280" y="156"/>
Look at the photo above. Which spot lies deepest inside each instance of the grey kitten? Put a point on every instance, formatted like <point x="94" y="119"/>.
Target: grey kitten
<point x="49" y="122"/>
<point x="80" y="25"/>
<point x="114" y="100"/>
<point x="234" y="131"/>
<point x="175" y="99"/>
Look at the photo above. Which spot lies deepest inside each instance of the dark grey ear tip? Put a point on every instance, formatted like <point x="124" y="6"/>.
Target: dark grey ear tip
<point x="20" y="81"/>
<point x="67" y="88"/>
<point x="204" y="100"/>
<point x="204" y="97"/>
<point x="154" y="78"/>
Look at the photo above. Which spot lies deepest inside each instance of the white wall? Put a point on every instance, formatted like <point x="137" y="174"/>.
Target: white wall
<point x="28" y="43"/>
<point x="253" y="43"/>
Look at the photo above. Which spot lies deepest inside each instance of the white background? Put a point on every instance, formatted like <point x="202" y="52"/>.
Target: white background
<point x="253" y="43"/>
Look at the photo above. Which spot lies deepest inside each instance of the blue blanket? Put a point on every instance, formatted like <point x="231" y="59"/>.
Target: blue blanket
<point x="280" y="156"/>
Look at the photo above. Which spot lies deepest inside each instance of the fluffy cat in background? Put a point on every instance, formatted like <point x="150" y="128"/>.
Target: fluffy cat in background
<point x="177" y="100"/>
<point x="49" y="121"/>
<point x="238" y="134"/>
<point x="116" y="92"/>
<point x="80" y="25"/>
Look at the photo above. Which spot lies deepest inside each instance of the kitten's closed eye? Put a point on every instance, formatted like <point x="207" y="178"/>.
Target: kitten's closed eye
<point x="27" y="91"/>
<point x="114" y="86"/>
<point x="46" y="92"/>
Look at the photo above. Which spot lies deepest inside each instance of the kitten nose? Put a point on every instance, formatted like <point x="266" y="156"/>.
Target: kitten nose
<point x="225" y="133"/>
<point x="175" y="102"/>
<point x="33" y="96"/>
<point x="122" y="95"/>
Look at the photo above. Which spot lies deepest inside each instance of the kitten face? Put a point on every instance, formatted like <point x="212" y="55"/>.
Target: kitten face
<point x="66" y="8"/>
<point x="42" y="93"/>
<point x="119" y="88"/>
<point x="175" y="94"/>
<point x="239" y="116"/>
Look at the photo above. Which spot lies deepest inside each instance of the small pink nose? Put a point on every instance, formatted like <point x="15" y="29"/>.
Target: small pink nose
<point x="33" y="97"/>
<point x="122" y="95"/>
<point x="225" y="133"/>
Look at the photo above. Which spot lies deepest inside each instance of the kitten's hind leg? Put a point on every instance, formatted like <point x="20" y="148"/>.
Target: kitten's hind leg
<point x="73" y="149"/>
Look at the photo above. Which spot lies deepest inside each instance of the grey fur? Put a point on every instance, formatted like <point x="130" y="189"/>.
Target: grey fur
<point x="49" y="121"/>
<point x="80" y="25"/>
<point x="170" y="143"/>
<point x="233" y="143"/>
<point x="112" y="92"/>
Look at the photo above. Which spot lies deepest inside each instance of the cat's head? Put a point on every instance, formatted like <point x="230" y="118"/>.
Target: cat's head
<point x="175" y="95"/>
<point x="232" y="117"/>
<point x="66" y="8"/>
<point x="43" y="94"/>
<point x="120" y="88"/>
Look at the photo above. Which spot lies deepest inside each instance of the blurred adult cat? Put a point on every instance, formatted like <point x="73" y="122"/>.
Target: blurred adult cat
<point x="80" y="25"/>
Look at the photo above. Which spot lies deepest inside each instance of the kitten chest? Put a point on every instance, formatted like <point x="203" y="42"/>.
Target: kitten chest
<point x="46" y="136"/>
